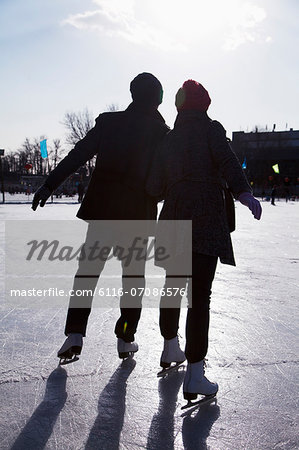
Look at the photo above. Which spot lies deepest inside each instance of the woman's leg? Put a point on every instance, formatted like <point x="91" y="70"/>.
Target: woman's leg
<point x="170" y="306"/>
<point x="198" y="317"/>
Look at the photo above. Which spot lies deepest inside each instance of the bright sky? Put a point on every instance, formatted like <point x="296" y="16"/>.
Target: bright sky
<point x="65" y="55"/>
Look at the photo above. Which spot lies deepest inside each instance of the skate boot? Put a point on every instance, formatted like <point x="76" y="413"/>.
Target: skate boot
<point x="196" y="383"/>
<point x="126" y="349"/>
<point x="71" y="348"/>
<point x="172" y="353"/>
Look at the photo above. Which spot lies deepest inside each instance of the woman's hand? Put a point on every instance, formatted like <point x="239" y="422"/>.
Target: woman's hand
<point x="252" y="203"/>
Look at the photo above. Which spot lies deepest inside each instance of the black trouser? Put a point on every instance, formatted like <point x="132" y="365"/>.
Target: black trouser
<point x="198" y="316"/>
<point x="86" y="279"/>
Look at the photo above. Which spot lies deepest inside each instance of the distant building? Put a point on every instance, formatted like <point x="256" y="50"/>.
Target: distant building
<point x="260" y="151"/>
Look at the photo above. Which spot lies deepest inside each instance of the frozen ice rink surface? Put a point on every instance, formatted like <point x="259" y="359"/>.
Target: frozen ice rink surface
<point x="99" y="403"/>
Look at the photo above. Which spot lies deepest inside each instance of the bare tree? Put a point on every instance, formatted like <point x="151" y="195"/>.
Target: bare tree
<point x="55" y="154"/>
<point x="11" y="162"/>
<point x="113" y="107"/>
<point x="29" y="152"/>
<point x="78" y="124"/>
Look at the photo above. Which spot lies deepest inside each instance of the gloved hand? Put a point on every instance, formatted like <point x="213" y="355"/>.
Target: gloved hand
<point x="41" y="195"/>
<point x="252" y="203"/>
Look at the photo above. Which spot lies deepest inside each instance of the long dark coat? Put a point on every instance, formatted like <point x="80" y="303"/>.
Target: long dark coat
<point x="124" y="142"/>
<point x="188" y="173"/>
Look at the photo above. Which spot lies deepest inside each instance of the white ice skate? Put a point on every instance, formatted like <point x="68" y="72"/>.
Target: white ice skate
<point x="172" y="356"/>
<point x="71" y="348"/>
<point x="195" y="383"/>
<point x="126" y="349"/>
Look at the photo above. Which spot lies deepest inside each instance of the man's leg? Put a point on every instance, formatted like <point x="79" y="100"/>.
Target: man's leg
<point x="133" y="283"/>
<point x="77" y="315"/>
<point x="86" y="279"/>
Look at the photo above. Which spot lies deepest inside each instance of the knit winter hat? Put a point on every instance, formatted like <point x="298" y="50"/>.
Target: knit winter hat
<point x="146" y="88"/>
<point x="193" y="96"/>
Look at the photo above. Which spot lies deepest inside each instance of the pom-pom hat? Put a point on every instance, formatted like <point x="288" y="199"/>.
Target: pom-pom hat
<point x="192" y="96"/>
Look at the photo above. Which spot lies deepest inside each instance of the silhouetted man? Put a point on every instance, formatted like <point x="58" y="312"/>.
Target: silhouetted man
<point x="124" y="143"/>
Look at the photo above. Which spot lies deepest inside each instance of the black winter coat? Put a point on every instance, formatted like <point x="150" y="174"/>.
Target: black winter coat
<point x="188" y="171"/>
<point x="124" y="142"/>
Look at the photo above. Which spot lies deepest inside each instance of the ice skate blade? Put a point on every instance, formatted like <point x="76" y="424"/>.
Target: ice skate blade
<point x="191" y="406"/>
<point x="63" y="361"/>
<point x="170" y="369"/>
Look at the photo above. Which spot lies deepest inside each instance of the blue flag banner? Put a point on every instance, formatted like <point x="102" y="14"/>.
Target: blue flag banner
<point x="244" y="165"/>
<point x="43" y="148"/>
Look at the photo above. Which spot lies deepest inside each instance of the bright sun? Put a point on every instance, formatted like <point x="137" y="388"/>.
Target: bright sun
<point x="195" y="19"/>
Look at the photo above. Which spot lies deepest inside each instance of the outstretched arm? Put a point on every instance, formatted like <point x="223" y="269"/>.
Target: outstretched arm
<point x="82" y="152"/>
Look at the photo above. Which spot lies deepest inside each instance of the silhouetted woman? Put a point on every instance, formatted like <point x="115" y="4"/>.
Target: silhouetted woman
<point x="188" y="171"/>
